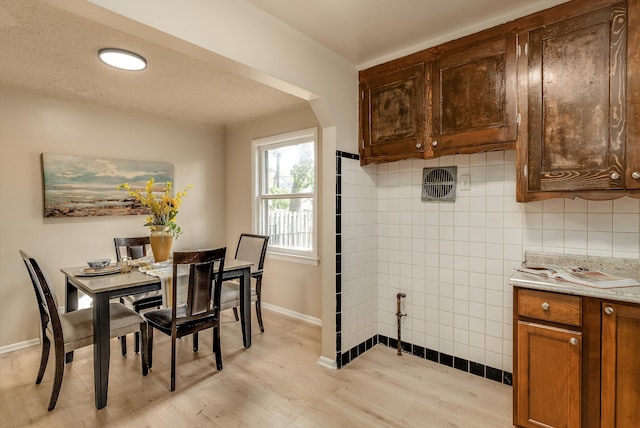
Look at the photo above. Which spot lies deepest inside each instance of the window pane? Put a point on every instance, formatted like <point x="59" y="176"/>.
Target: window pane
<point x="289" y="223"/>
<point x="289" y="169"/>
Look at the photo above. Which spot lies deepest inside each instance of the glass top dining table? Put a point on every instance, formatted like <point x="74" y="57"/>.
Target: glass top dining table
<point x="106" y="287"/>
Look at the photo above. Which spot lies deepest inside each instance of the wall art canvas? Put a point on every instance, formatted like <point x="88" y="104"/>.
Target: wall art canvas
<point x="84" y="186"/>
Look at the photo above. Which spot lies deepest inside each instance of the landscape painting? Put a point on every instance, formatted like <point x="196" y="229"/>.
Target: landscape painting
<point x="83" y="186"/>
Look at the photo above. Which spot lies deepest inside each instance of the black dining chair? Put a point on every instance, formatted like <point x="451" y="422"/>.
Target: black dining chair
<point x="73" y="330"/>
<point x="251" y="248"/>
<point x="202" y="308"/>
<point x="135" y="248"/>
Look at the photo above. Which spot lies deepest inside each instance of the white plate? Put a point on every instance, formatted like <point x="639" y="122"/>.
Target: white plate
<point x="97" y="272"/>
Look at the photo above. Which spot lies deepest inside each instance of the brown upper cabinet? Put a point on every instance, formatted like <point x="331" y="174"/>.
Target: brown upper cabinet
<point x="475" y="97"/>
<point x="575" y="72"/>
<point x="393" y="114"/>
<point x="561" y="86"/>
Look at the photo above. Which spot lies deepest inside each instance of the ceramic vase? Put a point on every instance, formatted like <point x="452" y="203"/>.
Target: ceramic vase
<point x="161" y="241"/>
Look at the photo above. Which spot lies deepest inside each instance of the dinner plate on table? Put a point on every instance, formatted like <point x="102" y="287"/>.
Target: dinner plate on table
<point x="97" y="272"/>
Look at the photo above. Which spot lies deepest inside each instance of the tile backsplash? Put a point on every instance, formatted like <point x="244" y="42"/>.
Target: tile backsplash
<point x="453" y="260"/>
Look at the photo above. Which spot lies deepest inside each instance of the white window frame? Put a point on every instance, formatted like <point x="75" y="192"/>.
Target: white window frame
<point x="258" y="147"/>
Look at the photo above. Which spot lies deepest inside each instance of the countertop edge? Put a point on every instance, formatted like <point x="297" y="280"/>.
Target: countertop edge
<point x="536" y="282"/>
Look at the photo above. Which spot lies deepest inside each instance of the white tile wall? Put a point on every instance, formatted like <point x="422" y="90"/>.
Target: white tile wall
<point x="453" y="260"/>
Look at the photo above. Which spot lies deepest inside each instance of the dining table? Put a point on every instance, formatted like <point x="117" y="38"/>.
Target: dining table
<point x="103" y="288"/>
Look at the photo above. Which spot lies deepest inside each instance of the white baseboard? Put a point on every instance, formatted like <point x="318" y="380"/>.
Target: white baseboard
<point x="328" y="363"/>
<point x="284" y="311"/>
<point x="290" y="313"/>
<point x="19" y="345"/>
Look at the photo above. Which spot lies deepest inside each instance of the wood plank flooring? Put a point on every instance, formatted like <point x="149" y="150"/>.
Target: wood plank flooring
<point x="275" y="383"/>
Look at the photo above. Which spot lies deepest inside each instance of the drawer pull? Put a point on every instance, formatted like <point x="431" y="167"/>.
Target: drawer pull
<point x="573" y="341"/>
<point x="608" y="310"/>
<point x="635" y="175"/>
<point x="545" y="306"/>
<point x="418" y="145"/>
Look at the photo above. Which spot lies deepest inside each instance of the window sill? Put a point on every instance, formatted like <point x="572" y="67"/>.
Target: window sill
<point x="305" y="260"/>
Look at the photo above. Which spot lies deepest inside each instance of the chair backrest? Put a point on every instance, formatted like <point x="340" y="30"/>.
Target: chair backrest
<point x="136" y="247"/>
<point x="47" y="302"/>
<point x="252" y="248"/>
<point x="205" y="268"/>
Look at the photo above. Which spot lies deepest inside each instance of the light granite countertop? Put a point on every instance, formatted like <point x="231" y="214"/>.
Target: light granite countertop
<point x="628" y="268"/>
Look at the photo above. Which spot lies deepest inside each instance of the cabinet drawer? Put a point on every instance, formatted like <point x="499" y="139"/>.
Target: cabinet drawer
<point x="553" y="307"/>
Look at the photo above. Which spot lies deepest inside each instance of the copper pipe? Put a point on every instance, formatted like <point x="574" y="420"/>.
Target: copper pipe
<point x="399" y="315"/>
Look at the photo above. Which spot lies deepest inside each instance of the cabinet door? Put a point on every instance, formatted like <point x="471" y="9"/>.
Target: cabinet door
<point x="576" y="102"/>
<point x="475" y="98"/>
<point x="620" y="384"/>
<point x="393" y="115"/>
<point x="548" y="376"/>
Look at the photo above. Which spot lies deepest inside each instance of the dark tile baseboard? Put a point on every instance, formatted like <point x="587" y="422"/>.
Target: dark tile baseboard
<point x="472" y="367"/>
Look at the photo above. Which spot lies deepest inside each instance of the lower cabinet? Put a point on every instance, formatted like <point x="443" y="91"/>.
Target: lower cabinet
<point x="575" y="371"/>
<point x="620" y="384"/>
<point x="549" y="366"/>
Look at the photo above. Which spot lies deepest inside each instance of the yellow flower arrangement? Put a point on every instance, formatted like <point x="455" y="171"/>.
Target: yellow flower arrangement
<point x="162" y="209"/>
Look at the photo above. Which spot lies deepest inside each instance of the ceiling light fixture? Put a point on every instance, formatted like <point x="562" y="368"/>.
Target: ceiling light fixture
<point x="124" y="60"/>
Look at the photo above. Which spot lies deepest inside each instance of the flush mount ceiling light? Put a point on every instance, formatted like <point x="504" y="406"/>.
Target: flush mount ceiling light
<point x="124" y="60"/>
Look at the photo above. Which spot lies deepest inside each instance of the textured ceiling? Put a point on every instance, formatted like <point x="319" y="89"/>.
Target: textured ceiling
<point x="52" y="52"/>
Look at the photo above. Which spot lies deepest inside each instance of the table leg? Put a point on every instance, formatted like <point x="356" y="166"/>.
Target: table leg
<point x="245" y="306"/>
<point x="101" y="348"/>
<point x="70" y="304"/>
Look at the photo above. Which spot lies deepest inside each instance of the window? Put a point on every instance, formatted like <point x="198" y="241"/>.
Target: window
<point x="285" y="193"/>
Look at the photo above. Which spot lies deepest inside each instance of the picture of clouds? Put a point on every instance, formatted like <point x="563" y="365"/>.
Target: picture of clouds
<point x="83" y="186"/>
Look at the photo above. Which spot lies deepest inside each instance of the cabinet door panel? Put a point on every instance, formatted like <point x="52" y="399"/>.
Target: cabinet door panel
<point x="576" y="102"/>
<point x="393" y="114"/>
<point x="548" y="377"/>
<point x="475" y="93"/>
<point x="620" y="366"/>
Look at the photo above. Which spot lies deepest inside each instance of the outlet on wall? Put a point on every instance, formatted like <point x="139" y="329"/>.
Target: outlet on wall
<point x="465" y="182"/>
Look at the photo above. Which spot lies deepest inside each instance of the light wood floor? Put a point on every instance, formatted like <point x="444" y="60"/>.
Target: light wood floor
<point x="275" y="383"/>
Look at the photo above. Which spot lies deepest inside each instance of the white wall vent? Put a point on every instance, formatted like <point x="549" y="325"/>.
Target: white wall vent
<point x="439" y="183"/>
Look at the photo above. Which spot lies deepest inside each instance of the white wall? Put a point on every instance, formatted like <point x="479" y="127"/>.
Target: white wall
<point x="454" y="260"/>
<point x="31" y="125"/>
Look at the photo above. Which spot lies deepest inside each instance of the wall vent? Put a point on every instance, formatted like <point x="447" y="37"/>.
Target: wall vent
<point x="439" y="183"/>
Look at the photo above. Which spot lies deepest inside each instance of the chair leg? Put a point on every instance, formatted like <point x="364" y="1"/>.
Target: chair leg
<point x="149" y="346"/>
<point x="123" y="345"/>
<point x="195" y="342"/>
<point x="57" y="377"/>
<point x="173" y="362"/>
<point x="136" y="342"/>
<point x="235" y="314"/>
<point x="259" y="314"/>
<point x="46" y="346"/>
<point x="144" y="355"/>
<point x="216" y="347"/>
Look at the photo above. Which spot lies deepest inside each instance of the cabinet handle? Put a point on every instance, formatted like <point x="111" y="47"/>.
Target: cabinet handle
<point x="545" y="306"/>
<point x="635" y="175"/>
<point x="418" y="145"/>
<point x="614" y="175"/>
<point x="608" y="310"/>
<point x="573" y="341"/>
<point x="434" y="143"/>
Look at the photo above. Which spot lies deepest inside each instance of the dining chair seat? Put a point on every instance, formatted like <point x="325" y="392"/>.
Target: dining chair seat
<point x="231" y="295"/>
<point x="73" y="330"/>
<point x="77" y="326"/>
